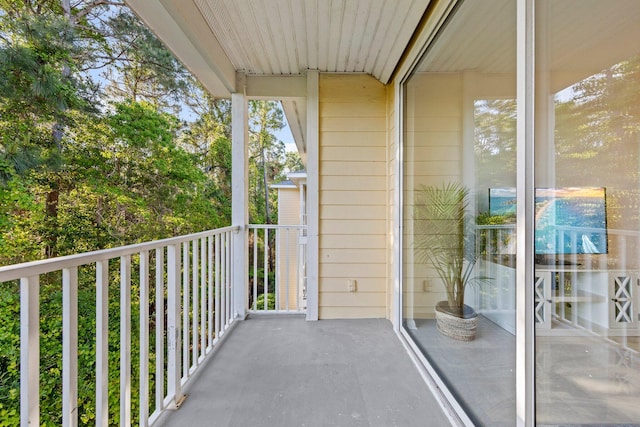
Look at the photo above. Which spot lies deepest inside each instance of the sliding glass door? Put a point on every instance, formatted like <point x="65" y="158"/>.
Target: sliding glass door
<point x="587" y="203"/>
<point x="459" y="175"/>
<point x="559" y="305"/>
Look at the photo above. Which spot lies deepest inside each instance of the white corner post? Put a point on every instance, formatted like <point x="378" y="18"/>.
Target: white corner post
<point x="313" y="202"/>
<point x="239" y="201"/>
<point x="525" y="323"/>
<point x="398" y="141"/>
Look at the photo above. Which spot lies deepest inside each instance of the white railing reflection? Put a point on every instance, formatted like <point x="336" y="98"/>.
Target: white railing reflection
<point x="277" y="269"/>
<point x="611" y="250"/>
<point x="181" y="317"/>
<point x="615" y="246"/>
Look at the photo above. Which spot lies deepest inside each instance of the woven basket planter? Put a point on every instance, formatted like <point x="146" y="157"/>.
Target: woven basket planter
<point x="456" y="323"/>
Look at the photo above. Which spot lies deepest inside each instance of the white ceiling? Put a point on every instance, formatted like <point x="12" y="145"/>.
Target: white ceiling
<point x="283" y="37"/>
<point x="275" y="37"/>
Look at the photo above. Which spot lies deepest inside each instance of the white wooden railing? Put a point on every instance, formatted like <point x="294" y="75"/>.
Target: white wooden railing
<point x="193" y="309"/>
<point x="277" y="272"/>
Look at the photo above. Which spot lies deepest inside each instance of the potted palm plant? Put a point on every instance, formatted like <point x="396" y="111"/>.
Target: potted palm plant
<point x="444" y="240"/>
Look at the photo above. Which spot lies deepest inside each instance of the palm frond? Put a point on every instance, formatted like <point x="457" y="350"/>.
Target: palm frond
<point x="442" y="238"/>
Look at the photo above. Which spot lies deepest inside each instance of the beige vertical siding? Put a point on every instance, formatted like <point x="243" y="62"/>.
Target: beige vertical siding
<point x="354" y="196"/>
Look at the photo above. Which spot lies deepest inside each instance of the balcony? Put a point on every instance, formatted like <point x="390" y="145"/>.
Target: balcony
<point x="173" y="303"/>
<point x="283" y="371"/>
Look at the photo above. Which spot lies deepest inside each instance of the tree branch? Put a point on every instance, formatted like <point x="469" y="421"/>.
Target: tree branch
<point x="90" y="6"/>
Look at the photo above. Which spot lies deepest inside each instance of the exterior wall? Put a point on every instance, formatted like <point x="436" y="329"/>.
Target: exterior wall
<point x="353" y="195"/>
<point x="289" y="206"/>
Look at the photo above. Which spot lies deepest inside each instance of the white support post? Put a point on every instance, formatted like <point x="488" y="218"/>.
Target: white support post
<point x="398" y="200"/>
<point x="30" y="351"/>
<point x="313" y="202"/>
<point x="125" y="340"/>
<point x="240" y="201"/>
<point x="102" y="343"/>
<point x="70" y="347"/>
<point x="525" y="269"/>
<point x="174" y="346"/>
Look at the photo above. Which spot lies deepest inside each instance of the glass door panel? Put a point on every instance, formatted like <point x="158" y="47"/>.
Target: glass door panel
<point x="587" y="233"/>
<point x="459" y="156"/>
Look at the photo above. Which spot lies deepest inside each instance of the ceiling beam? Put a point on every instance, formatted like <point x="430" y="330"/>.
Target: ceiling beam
<point x="276" y="87"/>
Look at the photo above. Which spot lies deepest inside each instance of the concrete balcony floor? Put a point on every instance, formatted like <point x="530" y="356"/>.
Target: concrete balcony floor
<point x="284" y="371"/>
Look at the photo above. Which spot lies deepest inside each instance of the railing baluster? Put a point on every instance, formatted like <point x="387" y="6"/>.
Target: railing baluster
<point x="203" y="298"/>
<point x="30" y="351"/>
<point x="255" y="269"/>
<point x="265" y="281"/>
<point x="287" y="274"/>
<point x="210" y="292"/>
<point x="159" y="320"/>
<point x="125" y="340"/>
<point x="174" y="390"/>
<point x="144" y="338"/>
<point x="102" y="343"/>
<point x="299" y="263"/>
<point x="223" y="284"/>
<point x="217" y="288"/>
<point x="70" y="347"/>
<point x="276" y="285"/>
<point x="185" y="309"/>
<point x="232" y="295"/>
<point x="229" y="293"/>
<point x="195" y="303"/>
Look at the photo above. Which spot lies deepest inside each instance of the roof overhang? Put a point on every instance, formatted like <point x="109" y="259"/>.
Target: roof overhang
<point x="182" y="28"/>
<point x="264" y="49"/>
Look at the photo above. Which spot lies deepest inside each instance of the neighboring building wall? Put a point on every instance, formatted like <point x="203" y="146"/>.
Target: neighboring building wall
<point x="288" y="248"/>
<point x="354" y="198"/>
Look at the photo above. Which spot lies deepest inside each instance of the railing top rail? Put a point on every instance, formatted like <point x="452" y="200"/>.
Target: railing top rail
<point x="609" y="231"/>
<point x="278" y="226"/>
<point x="33" y="268"/>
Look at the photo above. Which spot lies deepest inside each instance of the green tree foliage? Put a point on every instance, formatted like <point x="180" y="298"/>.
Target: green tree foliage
<point x="142" y="69"/>
<point x="209" y="137"/>
<point x="82" y="169"/>
<point x="495" y="141"/>
<point x="597" y="126"/>
<point x="266" y="156"/>
<point x="292" y="163"/>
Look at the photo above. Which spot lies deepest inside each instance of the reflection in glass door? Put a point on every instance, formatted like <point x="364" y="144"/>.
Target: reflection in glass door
<point x="458" y="278"/>
<point x="587" y="238"/>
